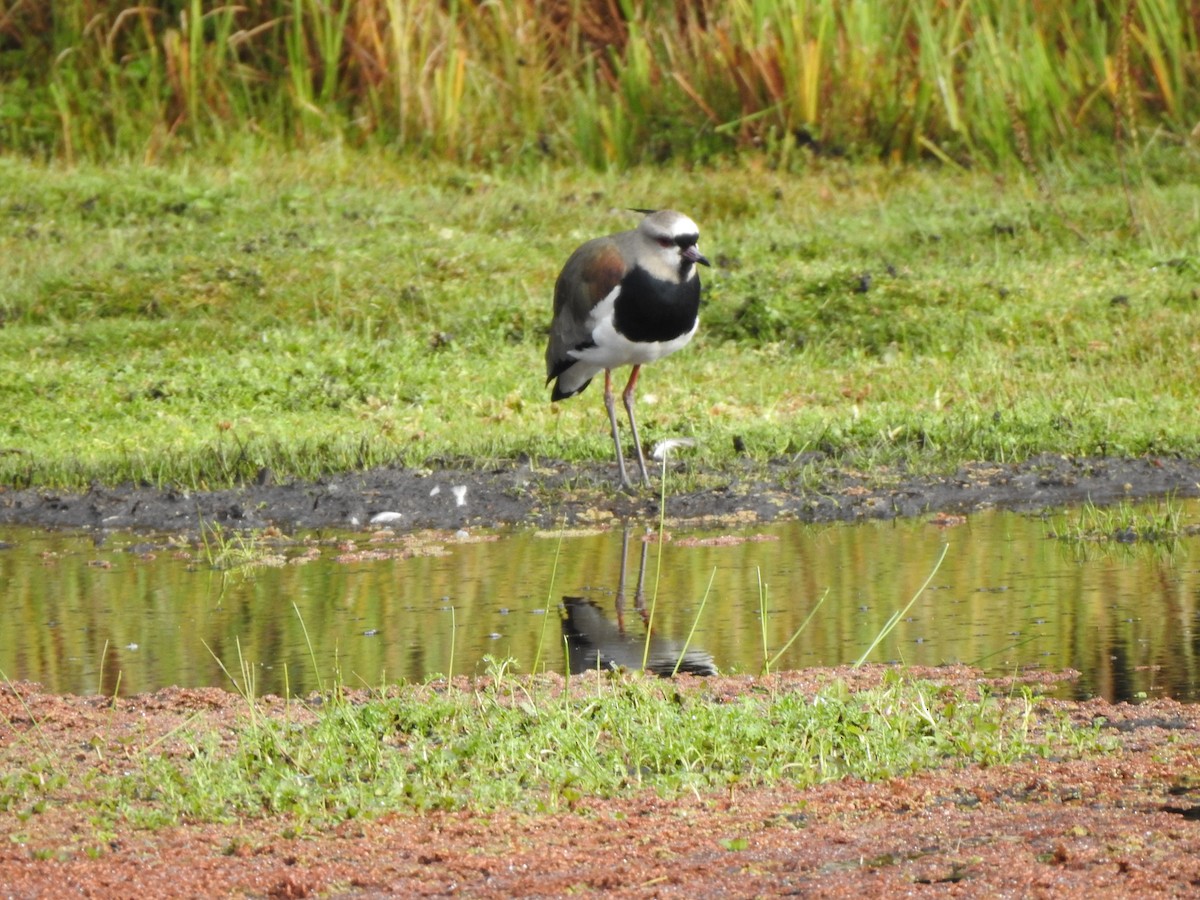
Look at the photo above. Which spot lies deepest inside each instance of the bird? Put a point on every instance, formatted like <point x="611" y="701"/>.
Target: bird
<point x="626" y="299"/>
<point x="595" y="642"/>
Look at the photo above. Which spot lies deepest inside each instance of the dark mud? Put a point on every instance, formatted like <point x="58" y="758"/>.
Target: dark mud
<point x="551" y="494"/>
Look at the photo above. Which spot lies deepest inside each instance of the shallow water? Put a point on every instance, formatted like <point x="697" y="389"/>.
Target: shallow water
<point x="127" y="613"/>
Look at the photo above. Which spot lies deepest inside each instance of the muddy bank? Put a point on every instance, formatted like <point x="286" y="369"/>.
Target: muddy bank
<point x="552" y="493"/>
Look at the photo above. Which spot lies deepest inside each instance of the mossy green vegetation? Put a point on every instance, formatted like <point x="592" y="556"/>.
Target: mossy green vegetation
<point x="191" y="325"/>
<point x="529" y="744"/>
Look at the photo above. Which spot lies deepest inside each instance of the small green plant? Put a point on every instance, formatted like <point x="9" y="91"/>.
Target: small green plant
<point x="1160" y="524"/>
<point x="225" y="549"/>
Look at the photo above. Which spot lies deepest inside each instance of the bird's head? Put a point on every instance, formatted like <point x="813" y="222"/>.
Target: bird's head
<point x="669" y="245"/>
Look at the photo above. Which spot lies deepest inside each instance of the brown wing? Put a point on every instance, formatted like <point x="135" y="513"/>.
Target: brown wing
<point x="589" y="275"/>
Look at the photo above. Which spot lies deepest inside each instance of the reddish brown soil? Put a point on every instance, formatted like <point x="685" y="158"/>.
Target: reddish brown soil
<point x="1125" y="824"/>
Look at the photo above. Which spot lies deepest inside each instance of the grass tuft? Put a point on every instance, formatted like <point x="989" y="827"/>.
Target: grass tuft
<point x="522" y="743"/>
<point x="1160" y="524"/>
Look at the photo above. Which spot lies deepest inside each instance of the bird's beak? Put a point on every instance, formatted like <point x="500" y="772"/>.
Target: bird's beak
<point x="693" y="253"/>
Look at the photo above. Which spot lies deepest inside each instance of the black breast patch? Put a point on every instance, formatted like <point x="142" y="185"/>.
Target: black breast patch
<point x="648" y="310"/>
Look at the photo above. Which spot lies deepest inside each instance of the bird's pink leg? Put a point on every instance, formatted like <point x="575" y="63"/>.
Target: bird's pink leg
<point x="637" y="443"/>
<point x="611" y="406"/>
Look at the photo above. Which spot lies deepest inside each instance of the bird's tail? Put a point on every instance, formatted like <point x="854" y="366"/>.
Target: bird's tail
<point x="570" y="378"/>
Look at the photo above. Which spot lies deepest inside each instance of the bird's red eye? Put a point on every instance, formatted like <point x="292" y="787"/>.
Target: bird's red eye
<point x="666" y="242"/>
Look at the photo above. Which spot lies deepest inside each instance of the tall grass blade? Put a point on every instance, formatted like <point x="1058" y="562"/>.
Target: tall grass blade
<point x="537" y="656"/>
<point x="244" y="688"/>
<point x="900" y="614"/>
<point x="662" y="522"/>
<point x="312" y="654"/>
<point x="490" y="82"/>
<point x="103" y="657"/>
<point x="28" y="712"/>
<point x="762" y="618"/>
<point x="782" y="650"/>
<point x="695" y="621"/>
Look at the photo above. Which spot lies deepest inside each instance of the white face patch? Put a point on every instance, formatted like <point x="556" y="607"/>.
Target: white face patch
<point x="664" y="262"/>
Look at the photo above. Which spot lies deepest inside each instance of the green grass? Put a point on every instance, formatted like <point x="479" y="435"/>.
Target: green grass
<point x="1159" y="524"/>
<point x="599" y="82"/>
<point x="189" y="326"/>
<point x="526" y="744"/>
<point x="226" y="550"/>
<point x="531" y="744"/>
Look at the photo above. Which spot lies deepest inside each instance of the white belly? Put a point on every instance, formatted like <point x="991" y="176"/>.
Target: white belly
<point x="611" y="350"/>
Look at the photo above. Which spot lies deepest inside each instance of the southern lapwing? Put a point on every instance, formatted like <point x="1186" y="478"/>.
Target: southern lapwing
<point x="624" y="300"/>
<point x="595" y="642"/>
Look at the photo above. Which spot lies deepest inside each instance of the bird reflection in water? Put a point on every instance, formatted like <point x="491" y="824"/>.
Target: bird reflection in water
<point x="596" y="642"/>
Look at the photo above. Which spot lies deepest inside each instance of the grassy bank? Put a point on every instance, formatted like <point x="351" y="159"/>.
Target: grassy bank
<point x="191" y="325"/>
<point x="600" y="82"/>
<point x="533" y="744"/>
